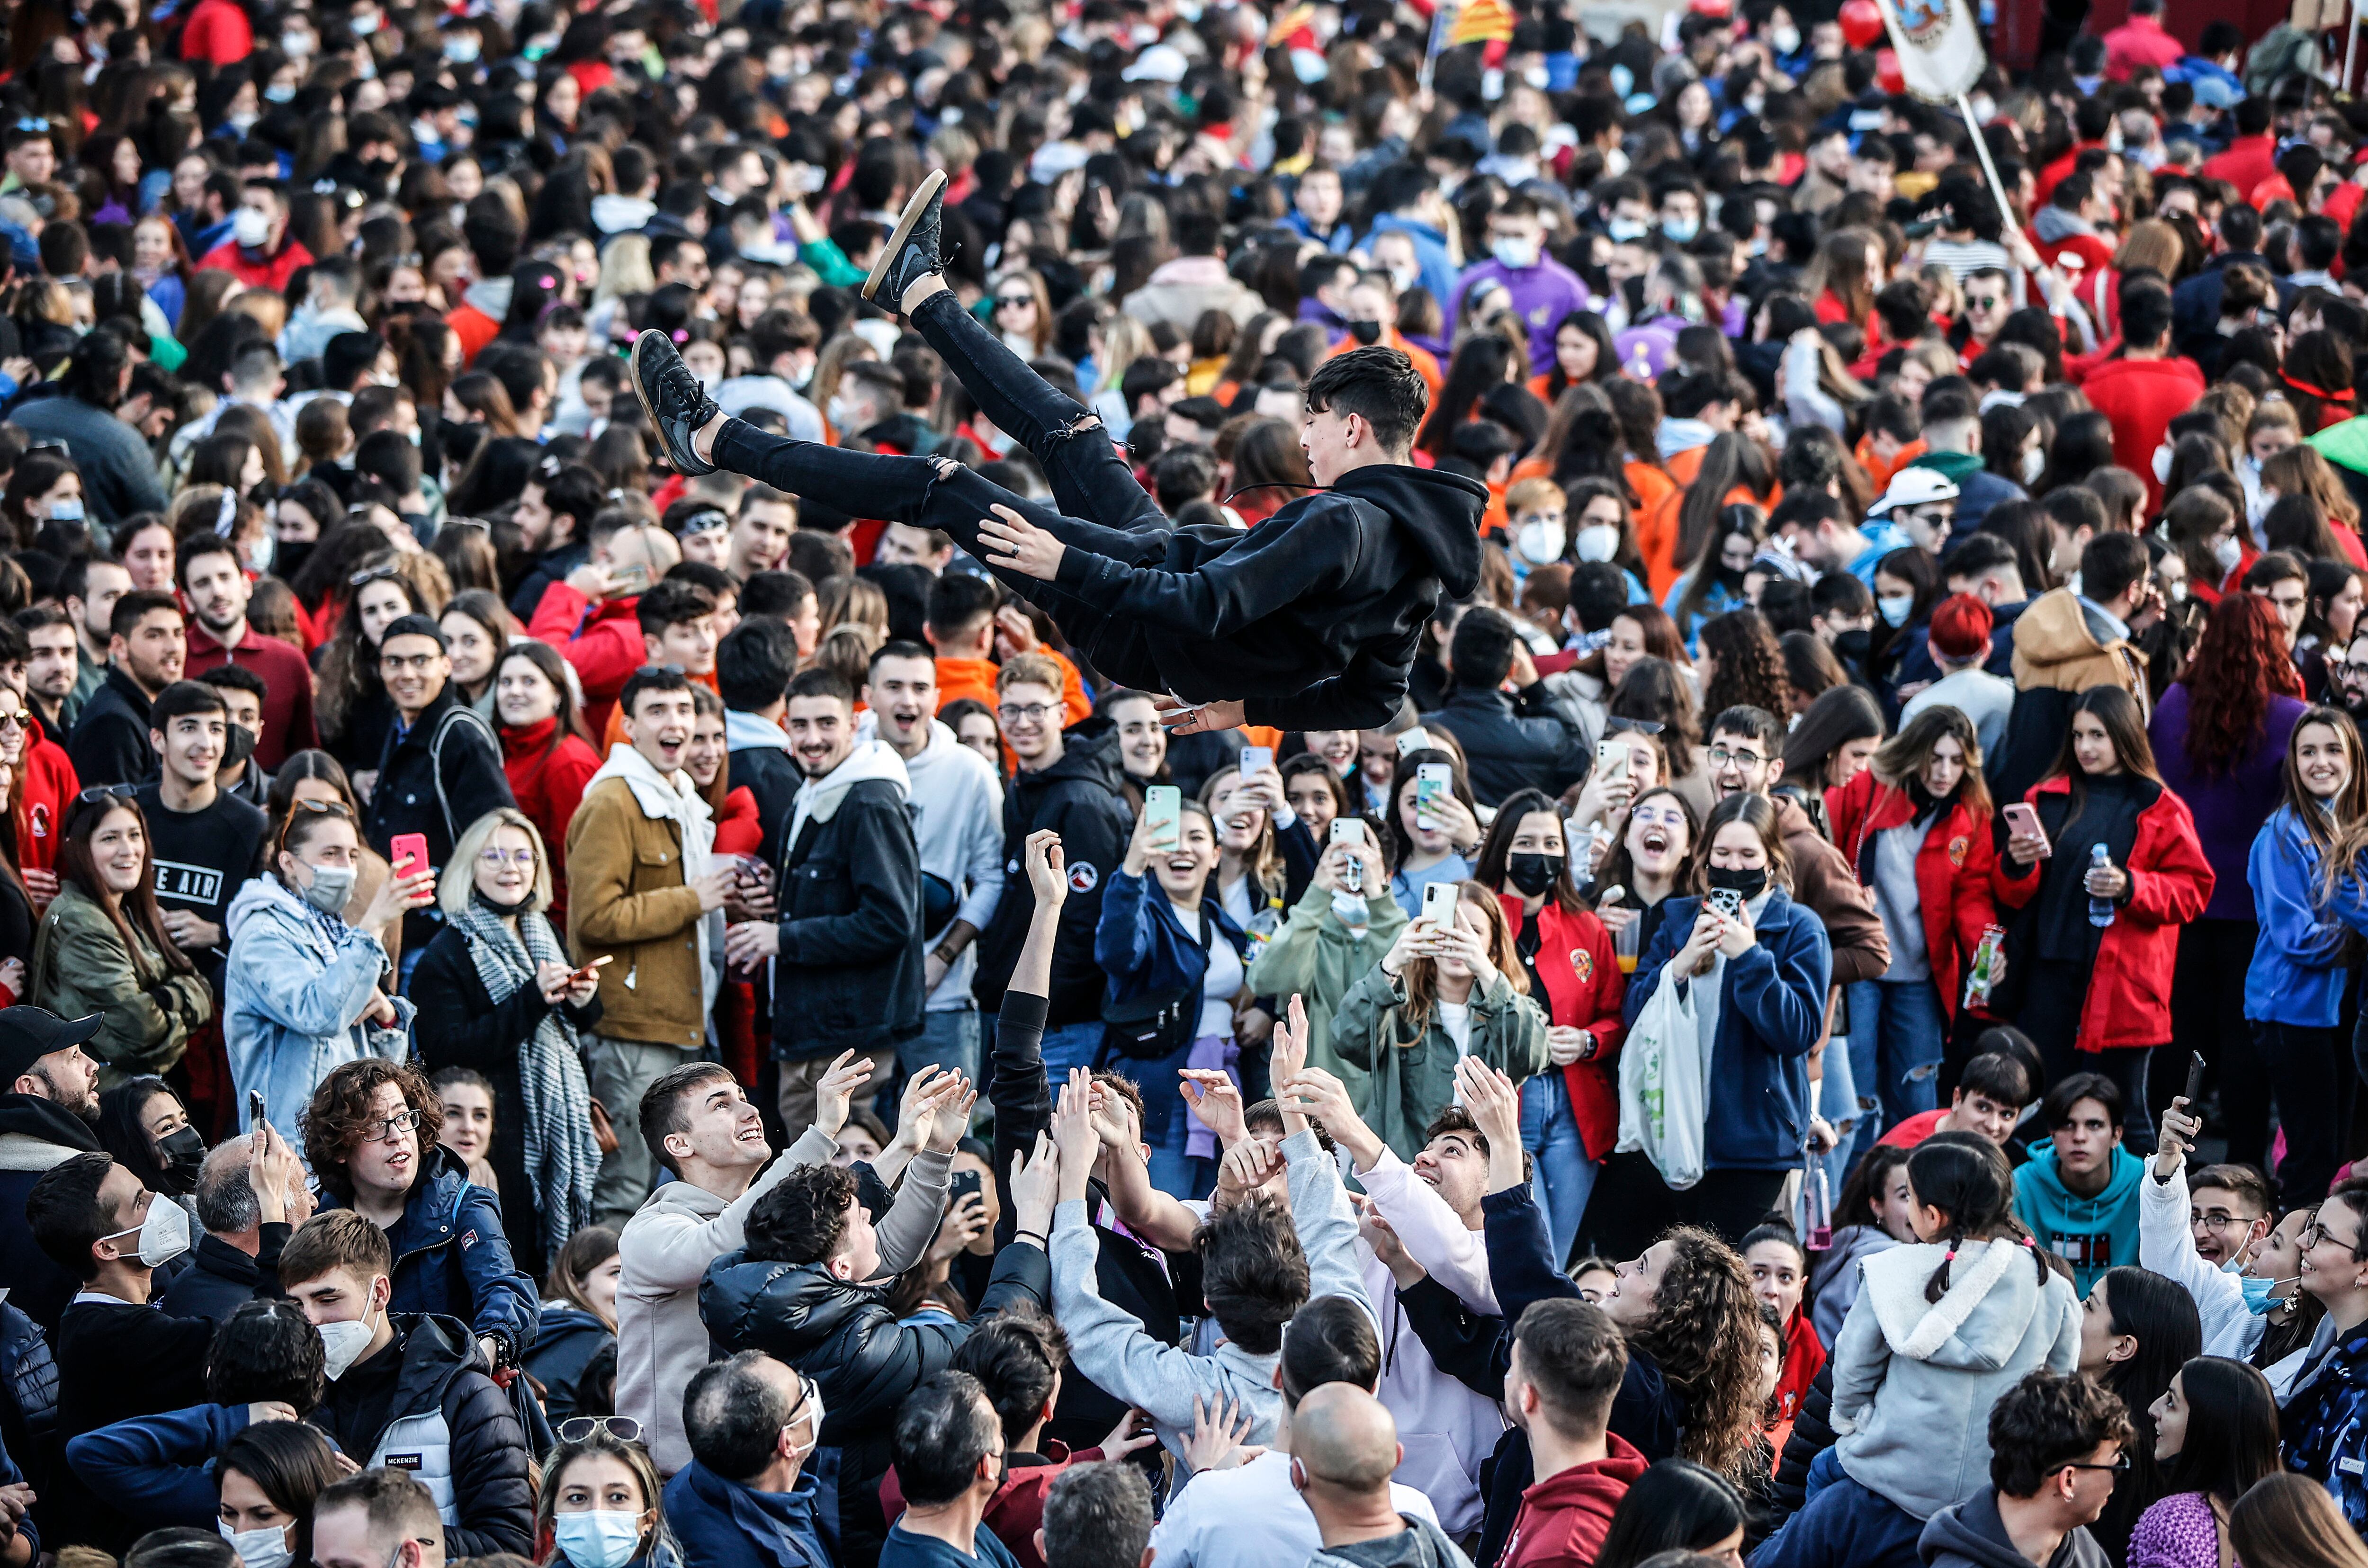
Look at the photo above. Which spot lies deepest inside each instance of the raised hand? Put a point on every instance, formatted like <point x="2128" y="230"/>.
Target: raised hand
<point x="963" y="1223"/>
<point x="1313" y="1092"/>
<point x="1015" y="544"/>
<point x="1245" y="1168"/>
<point x="1494" y="1102"/>
<point x="1289" y="1040"/>
<point x="2175" y="1137"/>
<point x="1035" y="1183"/>
<point x="836" y="1090"/>
<point x="1073" y="1130"/>
<point x="1048" y="874"/>
<point x="1215" y="1102"/>
<point x="950" y="1108"/>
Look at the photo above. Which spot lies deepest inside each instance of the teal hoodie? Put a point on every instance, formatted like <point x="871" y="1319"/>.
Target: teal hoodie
<point x="2092" y="1234"/>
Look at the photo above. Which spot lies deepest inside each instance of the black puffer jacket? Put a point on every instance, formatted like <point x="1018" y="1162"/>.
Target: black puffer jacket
<point x="863" y="1361"/>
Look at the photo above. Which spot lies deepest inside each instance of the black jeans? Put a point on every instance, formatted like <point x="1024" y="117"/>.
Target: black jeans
<point x="1631" y="1205"/>
<point x="2207" y="1015"/>
<point x="2310" y="1073"/>
<point x="2051" y="1017"/>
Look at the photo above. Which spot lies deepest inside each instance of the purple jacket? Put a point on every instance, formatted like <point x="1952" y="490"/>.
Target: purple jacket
<point x="2229" y="810"/>
<point x="1542" y="295"/>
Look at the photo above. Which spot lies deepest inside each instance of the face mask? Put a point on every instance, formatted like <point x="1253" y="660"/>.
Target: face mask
<point x="65" y="511"/>
<point x="264" y="1548"/>
<point x="238" y="744"/>
<point x="462" y="51"/>
<point x="342" y="1345"/>
<point x="1729" y="577"/>
<point x="279" y="93"/>
<point x="250" y="227"/>
<point x="332" y="885"/>
<point x="259" y="555"/>
<point x="2162" y="463"/>
<point x="1350" y="911"/>
<point x="1894" y="609"/>
<point x="242" y="123"/>
<point x="1533" y="874"/>
<point x="598" y="1538"/>
<point x="366" y="24"/>
<point x="1787" y="40"/>
<point x="1852" y="646"/>
<point x="1597" y="541"/>
<point x="1519" y="255"/>
<point x="296" y="46"/>
<point x="1749" y="884"/>
<point x="1680" y="230"/>
<point x="164" y="1234"/>
<point x="2257" y="1293"/>
<point x="1624" y="230"/>
<point x="181" y="1153"/>
<point x="843" y="413"/>
<point x="1541" y="542"/>
<point x="2175" y="592"/>
<point x="485" y="900"/>
<point x="1405" y="277"/>
<point x="2034" y="463"/>
<point x="1366" y="332"/>
<point x="2228" y="553"/>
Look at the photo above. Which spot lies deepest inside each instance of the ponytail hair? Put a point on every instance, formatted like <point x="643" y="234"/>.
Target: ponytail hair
<point x="1966" y="1178"/>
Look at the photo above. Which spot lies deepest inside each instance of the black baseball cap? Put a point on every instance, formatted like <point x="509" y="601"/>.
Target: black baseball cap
<point x="28" y="1033"/>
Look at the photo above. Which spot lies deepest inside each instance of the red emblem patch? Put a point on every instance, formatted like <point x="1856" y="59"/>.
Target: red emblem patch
<point x="1582" y="964"/>
<point x="1958" y="850"/>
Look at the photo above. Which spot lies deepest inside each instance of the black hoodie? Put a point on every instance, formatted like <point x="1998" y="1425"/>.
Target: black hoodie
<point x="35" y="1135"/>
<point x="1312" y="618"/>
<point x="1079" y="798"/>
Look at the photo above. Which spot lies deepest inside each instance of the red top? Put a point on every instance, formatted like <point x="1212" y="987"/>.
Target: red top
<point x="1804" y="1357"/>
<point x="288" y="687"/>
<point x="2141" y="40"/>
<point x="474" y="328"/>
<point x="738" y="830"/>
<point x="603" y="641"/>
<point x="549" y="783"/>
<point x="1914" y="1129"/>
<point x="219" y="32"/>
<point x="272" y="272"/>
<point x="1580" y="970"/>
<point x="1564" y="1517"/>
<point x="1955" y="864"/>
<point x="48" y="789"/>
<point x="2248" y="161"/>
<point x="2141" y="397"/>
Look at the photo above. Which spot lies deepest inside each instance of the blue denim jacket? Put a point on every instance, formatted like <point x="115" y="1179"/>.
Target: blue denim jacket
<point x="1145" y="948"/>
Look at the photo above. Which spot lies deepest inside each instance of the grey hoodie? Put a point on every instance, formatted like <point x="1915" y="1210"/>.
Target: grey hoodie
<point x="1420" y="1545"/>
<point x="1971" y="1535"/>
<point x="1914" y="1380"/>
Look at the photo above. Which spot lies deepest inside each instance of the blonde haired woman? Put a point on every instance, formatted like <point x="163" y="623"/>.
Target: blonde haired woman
<point x="500" y="996"/>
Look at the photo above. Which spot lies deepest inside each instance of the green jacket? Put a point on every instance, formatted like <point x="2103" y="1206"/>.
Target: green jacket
<point x="1408" y="1086"/>
<point x="1320" y="959"/>
<point x="80" y="967"/>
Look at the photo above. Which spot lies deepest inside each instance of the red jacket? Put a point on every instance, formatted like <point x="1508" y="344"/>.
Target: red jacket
<point x="218" y="31"/>
<point x="1581" y="973"/>
<point x="1804" y="1357"/>
<point x="1564" y="1517"/>
<point x="1955" y="867"/>
<point x="2248" y="161"/>
<point x="2056" y="173"/>
<point x="2170" y="881"/>
<point x="48" y="788"/>
<point x="2141" y="40"/>
<point x="272" y="272"/>
<point x="603" y="641"/>
<point x="288" y="688"/>
<point x="2141" y="397"/>
<point x="548" y="782"/>
<point x="737" y="828"/>
<point x="1016" y="1512"/>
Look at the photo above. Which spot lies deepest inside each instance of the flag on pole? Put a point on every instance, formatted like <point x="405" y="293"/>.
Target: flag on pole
<point x="1482" y="21"/>
<point x="1939" y="45"/>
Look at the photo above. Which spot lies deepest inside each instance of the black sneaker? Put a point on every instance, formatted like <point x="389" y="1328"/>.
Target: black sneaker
<point x="911" y="251"/>
<point x="673" y="399"/>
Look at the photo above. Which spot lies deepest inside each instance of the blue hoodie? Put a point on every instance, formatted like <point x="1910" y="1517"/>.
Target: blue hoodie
<point x="2092" y="1234"/>
<point x="2298" y="973"/>
<point x="722" y="1524"/>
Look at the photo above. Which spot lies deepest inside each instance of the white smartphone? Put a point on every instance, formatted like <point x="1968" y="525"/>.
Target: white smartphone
<point x="2021" y="817"/>
<point x="1255" y="759"/>
<point x="1438" y="904"/>
<point x="1163" y="809"/>
<point x="1351" y="830"/>
<point x="1611" y="760"/>
<point x="1414" y="740"/>
<point x="1431" y="782"/>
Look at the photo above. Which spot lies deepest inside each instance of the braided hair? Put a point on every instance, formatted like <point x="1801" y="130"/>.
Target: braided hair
<point x="1966" y="1178"/>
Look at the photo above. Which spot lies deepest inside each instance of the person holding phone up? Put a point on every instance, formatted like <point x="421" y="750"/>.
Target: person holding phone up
<point x="2104" y="866"/>
<point x="1336" y="932"/>
<point x="1432" y="825"/>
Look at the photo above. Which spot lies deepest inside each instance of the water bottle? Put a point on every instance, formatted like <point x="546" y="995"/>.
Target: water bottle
<point x="2100" y="910"/>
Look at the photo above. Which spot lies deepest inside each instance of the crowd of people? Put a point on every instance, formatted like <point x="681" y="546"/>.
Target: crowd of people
<point x="560" y="1004"/>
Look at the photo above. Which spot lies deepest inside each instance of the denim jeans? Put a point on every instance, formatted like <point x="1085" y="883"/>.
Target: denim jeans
<point x="1564" y="1175"/>
<point x="1070" y="1045"/>
<point x="948" y="1039"/>
<point x="1911" y="1034"/>
<point x="1837" y="1103"/>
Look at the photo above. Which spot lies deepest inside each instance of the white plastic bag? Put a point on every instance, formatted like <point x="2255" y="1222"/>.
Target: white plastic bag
<point x="1663" y="1099"/>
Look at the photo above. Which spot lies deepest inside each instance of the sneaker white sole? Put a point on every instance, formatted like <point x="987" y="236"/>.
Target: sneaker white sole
<point x="931" y="183"/>
<point x="651" y="415"/>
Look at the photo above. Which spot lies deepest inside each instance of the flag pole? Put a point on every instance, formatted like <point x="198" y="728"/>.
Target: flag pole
<point x="1982" y="150"/>
<point x="1438" y="33"/>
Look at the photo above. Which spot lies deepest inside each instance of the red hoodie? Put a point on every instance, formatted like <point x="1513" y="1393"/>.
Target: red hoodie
<point x="1564" y="1517"/>
<point x="548" y="782"/>
<point x="49" y="788"/>
<point x="603" y="641"/>
<point x="2142" y="397"/>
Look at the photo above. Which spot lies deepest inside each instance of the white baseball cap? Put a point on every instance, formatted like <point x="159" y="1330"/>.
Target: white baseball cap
<point x="1915" y="486"/>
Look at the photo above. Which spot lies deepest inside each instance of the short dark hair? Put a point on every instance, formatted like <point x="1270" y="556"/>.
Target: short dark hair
<point x="801" y="1220"/>
<point x="2247" y="1185"/>
<point x="2068" y="1092"/>
<point x="662" y="1115"/>
<point x="1754" y="723"/>
<point x="573" y="491"/>
<point x="415" y="625"/>
<point x="266" y="1350"/>
<point x="2146" y="314"/>
<point x="236" y="678"/>
<point x="1330" y="1340"/>
<point x="820" y="682"/>
<point x="754" y="664"/>
<point x="649" y="677"/>
<point x="1377" y="384"/>
<point x="135" y="606"/>
<point x="732" y="1416"/>
<point x="2047" y="1421"/>
<point x="66" y="1216"/>
<point x="2273" y="567"/>
<point x="181" y="1546"/>
<point x="1016" y="1357"/>
<point x="1481" y="652"/>
<point x="1097" y="1515"/>
<point x="393" y="1501"/>
<point x="333" y="1240"/>
<point x="775" y="593"/>
<point x="959" y="601"/>
<point x="182" y="698"/>
<point x="197" y="546"/>
<point x="669" y="602"/>
<point x="1998" y="1076"/>
<point x="943" y="1428"/>
<point x="2109" y="564"/>
<point x="1573" y="1353"/>
<point x="1253" y="1273"/>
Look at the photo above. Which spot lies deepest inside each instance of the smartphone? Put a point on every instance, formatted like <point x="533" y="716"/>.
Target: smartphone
<point x="1431" y="780"/>
<point x="1438" y="904"/>
<point x="627" y="581"/>
<point x="961" y="1185"/>
<point x="1257" y="759"/>
<point x="1414" y="740"/>
<point x="256" y="1116"/>
<point x="408" y="853"/>
<point x="2195" y="1079"/>
<point x="1727" y="900"/>
<point x="1163" y="813"/>
<point x="1611" y="760"/>
<point x="589" y="970"/>
<point x="2021" y="817"/>
<point x="1347" y="830"/>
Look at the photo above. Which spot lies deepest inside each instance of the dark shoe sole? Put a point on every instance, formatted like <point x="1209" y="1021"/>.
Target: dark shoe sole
<point x="656" y="428"/>
<point x="931" y="184"/>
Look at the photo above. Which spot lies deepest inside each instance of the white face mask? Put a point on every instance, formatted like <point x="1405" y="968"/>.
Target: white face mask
<point x="2228" y="553"/>
<point x="1541" y="542"/>
<point x="164" y="1234"/>
<point x="1894" y="609"/>
<point x="1680" y="230"/>
<point x="2162" y="463"/>
<point x="599" y="1537"/>
<point x="264" y="1548"/>
<point x="1598" y="541"/>
<point x="342" y="1345"/>
<point x="1519" y="255"/>
<point x="1624" y="230"/>
<point x="1785" y="40"/>
<point x="2034" y="463"/>
<point x="250" y="227"/>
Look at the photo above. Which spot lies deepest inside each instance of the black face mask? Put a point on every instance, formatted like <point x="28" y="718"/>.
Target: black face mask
<point x="1749" y="884"/>
<point x="287" y="560"/>
<point x="179" y="1155"/>
<point x="1729" y="577"/>
<point x="237" y="745"/>
<point x="1852" y="647"/>
<point x="1366" y="332"/>
<point x="482" y="900"/>
<point x="1533" y="874"/>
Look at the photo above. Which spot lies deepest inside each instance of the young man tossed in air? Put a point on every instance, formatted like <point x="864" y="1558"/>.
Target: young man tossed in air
<point x="1309" y="619"/>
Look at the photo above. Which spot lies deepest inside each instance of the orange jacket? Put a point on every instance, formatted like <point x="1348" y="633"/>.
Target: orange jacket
<point x="1657" y="516"/>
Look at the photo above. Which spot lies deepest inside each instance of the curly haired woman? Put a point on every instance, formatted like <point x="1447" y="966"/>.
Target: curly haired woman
<point x="1742" y="664"/>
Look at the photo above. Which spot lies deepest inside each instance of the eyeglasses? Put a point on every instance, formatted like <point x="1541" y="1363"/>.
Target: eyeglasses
<point x="2216" y="1219"/>
<point x="1720" y="756"/>
<point x="12" y="721"/>
<point x="2120" y="1466"/>
<point x="384" y="1130"/>
<point x="1032" y="712"/>
<point x="579" y="1428"/>
<point x="661" y="670"/>
<point x="1006" y="302"/>
<point x="99" y="792"/>
<point x="2317" y="1231"/>
<point x="1634" y="726"/>
<point x="494" y="857"/>
<point x="2352" y="672"/>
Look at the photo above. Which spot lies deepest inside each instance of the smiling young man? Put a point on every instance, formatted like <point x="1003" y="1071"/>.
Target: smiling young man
<point x="146" y="648"/>
<point x="1988" y="1100"/>
<point x="642" y="884"/>
<point x="2080" y="1196"/>
<point x="214" y="583"/>
<point x="202" y="840"/>
<point x="846" y="952"/>
<point x="1313" y="617"/>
